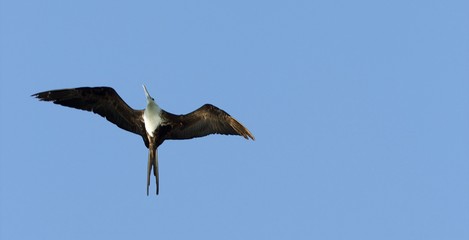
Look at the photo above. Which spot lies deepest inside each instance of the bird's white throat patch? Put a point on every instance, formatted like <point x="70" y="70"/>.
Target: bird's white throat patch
<point x="152" y="117"/>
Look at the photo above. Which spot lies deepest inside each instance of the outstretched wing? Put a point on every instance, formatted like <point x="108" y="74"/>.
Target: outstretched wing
<point x="101" y="100"/>
<point x="206" y="120"/>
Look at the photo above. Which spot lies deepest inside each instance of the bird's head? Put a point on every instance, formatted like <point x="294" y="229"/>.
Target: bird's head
<point x="149" y="98"/>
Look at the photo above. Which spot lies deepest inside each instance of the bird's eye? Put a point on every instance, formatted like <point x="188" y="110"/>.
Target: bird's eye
<point x="153" y="99"/>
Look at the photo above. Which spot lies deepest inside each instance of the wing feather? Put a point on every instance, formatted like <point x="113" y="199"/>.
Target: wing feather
<point x="100" y="100"/>
<point x="206" y="120"/>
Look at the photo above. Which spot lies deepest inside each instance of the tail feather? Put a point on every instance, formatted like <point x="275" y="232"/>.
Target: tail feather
<point x="153" y="165"/>
<point x="156" y="172"/>
<point x="149" y="166"/>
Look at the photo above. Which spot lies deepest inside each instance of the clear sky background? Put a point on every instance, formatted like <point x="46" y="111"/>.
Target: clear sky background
<point x="360" y="111"/>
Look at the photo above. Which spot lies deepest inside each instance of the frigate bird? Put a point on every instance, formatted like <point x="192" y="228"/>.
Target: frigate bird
<point x="154" y="124"/>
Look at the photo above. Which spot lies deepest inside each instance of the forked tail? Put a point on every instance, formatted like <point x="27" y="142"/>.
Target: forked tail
<point x="153" y="164"/>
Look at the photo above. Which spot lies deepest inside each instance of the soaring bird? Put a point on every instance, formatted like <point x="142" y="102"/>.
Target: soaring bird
<point x="154" y="124"/>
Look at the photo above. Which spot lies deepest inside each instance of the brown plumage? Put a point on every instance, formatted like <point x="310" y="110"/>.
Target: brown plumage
<point x="105" y="101"/>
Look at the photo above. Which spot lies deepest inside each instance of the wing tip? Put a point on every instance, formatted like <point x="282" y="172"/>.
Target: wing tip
<point x="244" y="132"/>
<point x="250" y="136"/>
<point x="241" y="129"/>
<point x="36" y="95"/>
<point x="41" y="96"/>
<point x="247" y="134"/>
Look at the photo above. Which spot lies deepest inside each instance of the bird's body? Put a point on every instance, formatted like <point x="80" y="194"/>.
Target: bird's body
<point x="154" y="124"/>
<point x="152" y="117"/>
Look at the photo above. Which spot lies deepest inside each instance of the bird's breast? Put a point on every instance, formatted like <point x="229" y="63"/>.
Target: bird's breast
<point x="152" y="118"/>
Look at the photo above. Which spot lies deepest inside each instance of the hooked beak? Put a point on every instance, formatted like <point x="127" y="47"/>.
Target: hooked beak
<point x="146" y="92"/>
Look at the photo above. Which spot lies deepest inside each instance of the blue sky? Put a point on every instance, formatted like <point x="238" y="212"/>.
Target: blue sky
<point x="360" y="111"/>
